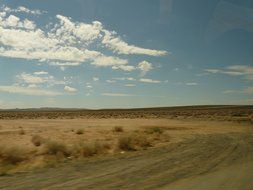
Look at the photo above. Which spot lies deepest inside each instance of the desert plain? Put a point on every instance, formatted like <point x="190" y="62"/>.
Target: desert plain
<point x="177" y="148"/>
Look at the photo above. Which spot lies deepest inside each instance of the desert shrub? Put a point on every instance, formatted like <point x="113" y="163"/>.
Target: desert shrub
<point x="118" y="129"/>
<point x="12" y="155"/>
<point x="56" y="148"/>
<point x="132" y="142"/>
<point x="156" y="130"/>
<point x="21" y="131"/>
<point x="79" y="131"/>
<point x="37" y="140"/>
<point x="91" y="149"/>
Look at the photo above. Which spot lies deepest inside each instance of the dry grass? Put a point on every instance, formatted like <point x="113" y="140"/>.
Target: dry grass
<point x="154" y="130"/>
<point x="79" y="131"/>
<point x="12" y="155"/>
<point x="118" y="129"/>
<point x="56" y="148"/>
<point x="91" y="149"/>
<point x="37" y="140"/>
<point x="131" y="142"/>
<point x="21" y="131"/>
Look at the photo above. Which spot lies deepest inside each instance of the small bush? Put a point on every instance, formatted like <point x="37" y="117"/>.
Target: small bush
<point x="21" y="131"/>
<point x="118" y="129"/>
<point x="56" y="148"/>
<point x="133" y="142"/>
<point x="91" y="149"/>
<point x="12" y="155"/>
<point x="37" y="140"/>
<point x="79" y="131"/>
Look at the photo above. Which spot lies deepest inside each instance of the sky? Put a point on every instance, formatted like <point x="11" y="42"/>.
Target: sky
<point x="124" y="54"/>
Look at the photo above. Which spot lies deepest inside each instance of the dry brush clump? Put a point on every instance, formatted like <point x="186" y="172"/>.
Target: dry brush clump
<point x="37" y="140"/>
<point x="12" y="155"/>
<point x="21" y="131"/>
<point x="132" y="142"/>
<point x="90" y="149"/>
<point x="56" y="148"/>
<point x="118" y="129"/>
<point x="79" y="131"/>
<point x="154" y="130"/>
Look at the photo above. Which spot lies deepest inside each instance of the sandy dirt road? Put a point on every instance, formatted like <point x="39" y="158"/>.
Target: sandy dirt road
<point x="217" y="161"/>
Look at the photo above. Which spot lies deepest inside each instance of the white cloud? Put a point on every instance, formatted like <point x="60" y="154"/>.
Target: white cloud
<point x="31" y="79"/>
<point x="149" y="80"/>
<point x="64" y="65"/>
<point x="110" y="81"/>
<point x="22" y="9"/>
<point x="39" y="78"/>
<point x="235" y="70"/>
<point x="65" y="42"/>
<point x="104" y="61"/>
<point x="116" y="94"/>
<point x="128" y="68"/>
<point x="40" y="73"/>
<point x="26" y="10"/>
<point x="12" y="21"/>
<point x="70" y="89"/>
<point x="129" y="85"/>
<point x="85" y="32"/>
<point x="123" y="78"/>
<point x="89" y="86"/>
<point x="95" y="79"/>
<point x="118" y="45"/>
<point x="28" y="91"/>
<point x="145" y="67"/>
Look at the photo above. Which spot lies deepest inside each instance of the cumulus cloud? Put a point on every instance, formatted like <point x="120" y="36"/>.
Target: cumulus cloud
<point x="149" y="80"/>
<point x="70" y="89"/>
<point x="145" y="67"/>
<point x="65" y="42"/>
<point x="14" y="89"/>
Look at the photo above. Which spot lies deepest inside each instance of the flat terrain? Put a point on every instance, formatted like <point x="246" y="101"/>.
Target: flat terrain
<point x="208" y="152"/>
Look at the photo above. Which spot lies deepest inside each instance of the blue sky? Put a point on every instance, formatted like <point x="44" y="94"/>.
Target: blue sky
<point x="119" y="54"/>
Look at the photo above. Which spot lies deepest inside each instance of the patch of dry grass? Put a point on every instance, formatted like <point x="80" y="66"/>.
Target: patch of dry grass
<point x="91" y="149"/>
<point x="118" y="129"/>
<point x="37" y="140"/>
<point x="12" y="155"/>
<point x="79" y="131"/>
<point x="56" y="148"/>
<point x="21" y="131"/>
<point x="132" y="142"/>
<point x="154" y="130"/>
